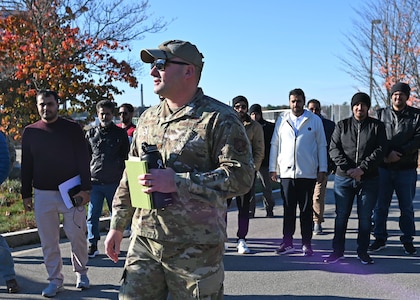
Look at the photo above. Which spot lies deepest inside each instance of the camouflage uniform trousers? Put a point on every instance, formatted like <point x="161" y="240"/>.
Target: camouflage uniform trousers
<point x="184" y="271"/>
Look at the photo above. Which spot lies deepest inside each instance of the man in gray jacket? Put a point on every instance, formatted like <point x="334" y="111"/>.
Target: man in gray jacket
<point x="108" y="146"/>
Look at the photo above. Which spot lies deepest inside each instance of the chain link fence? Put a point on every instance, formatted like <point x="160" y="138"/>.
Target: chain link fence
<point x="333" y="112"/>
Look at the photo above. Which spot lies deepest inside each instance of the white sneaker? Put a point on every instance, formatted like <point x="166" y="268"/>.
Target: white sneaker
<point x="51" y="290"/>
<point x="82" y="282"/>
<point x="317" y="229"/>
<point x="242" y="247"/>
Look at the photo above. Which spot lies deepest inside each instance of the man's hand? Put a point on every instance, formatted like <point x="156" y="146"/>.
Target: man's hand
<point x="392" y="157"/>
<point x="158" y="180"/>
<point x="28" y="204"/>
<point x="85" y="195"/>
<point x="273" y="176"/>
<point x="356" y="173"/>
<point x="321" y="176"/>
<point x="113" y="243"/>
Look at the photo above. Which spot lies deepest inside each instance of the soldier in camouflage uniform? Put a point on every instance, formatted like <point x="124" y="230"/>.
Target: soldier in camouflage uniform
<point x="178" y="250"/>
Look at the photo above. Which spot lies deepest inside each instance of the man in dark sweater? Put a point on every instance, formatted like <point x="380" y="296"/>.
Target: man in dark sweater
<point x="53" y="151"/>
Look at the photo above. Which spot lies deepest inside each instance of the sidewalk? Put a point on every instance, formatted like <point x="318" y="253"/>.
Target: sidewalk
<point x="261" y="274"/>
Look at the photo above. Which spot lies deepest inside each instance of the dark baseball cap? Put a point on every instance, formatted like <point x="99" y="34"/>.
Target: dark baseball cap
<point x="174" y="48"/>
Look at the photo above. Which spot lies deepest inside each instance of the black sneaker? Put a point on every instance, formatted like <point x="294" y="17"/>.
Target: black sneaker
<point x="284" y="249"/>
<point x="93" y="250"/>
<point x="365" y="258"/>
<point x="409" y="248"/>
<point x="377" y="245"/>
<point x="307" y="250"/>
<point x="12" y="286"/>
<point x="270" y="214"/>
<point x="333" y="258"/>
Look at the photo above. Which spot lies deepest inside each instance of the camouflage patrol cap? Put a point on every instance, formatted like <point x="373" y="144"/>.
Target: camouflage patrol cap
<point x="174" y="48"/>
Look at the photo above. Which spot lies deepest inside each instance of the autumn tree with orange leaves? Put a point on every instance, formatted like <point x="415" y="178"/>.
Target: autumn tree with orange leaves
<point x="392" y="29"/>
<point x="41" y="47"/>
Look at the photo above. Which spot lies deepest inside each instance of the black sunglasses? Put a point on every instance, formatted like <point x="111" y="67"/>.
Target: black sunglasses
<point x="124" y="113"/>
<point x="161" y="63"/>
<point x="238" y="106"/>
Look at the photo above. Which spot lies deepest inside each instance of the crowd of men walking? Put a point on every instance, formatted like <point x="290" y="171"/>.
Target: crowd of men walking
<point x="212" y="154"/>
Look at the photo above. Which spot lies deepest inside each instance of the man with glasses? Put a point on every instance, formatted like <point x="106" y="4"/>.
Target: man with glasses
<point x="255" y="135"/>
<point x="178" y="249"/>
<point x="125" y="112"/>
<point x="108" y="145"/>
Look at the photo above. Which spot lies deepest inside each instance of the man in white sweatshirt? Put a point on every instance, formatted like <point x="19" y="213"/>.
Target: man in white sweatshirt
<point x="299" y="153"/>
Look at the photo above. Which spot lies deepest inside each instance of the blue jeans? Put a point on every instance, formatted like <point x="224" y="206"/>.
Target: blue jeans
<point x="98" y="193"/>
<point x="403" y="182"/>
<point x="7" y="267"/>
<point x="366" y="192"/>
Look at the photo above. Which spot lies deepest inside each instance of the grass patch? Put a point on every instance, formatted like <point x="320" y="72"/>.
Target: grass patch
<point x="12" y="214"/>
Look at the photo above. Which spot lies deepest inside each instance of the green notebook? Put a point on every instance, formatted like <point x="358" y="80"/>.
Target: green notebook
<point x="138" y="198"/>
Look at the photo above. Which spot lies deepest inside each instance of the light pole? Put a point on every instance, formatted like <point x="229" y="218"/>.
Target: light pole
<point x="373" y="22"/>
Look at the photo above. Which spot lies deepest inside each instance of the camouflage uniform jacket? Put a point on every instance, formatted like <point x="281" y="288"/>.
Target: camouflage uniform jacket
<point x="206" y="145"/>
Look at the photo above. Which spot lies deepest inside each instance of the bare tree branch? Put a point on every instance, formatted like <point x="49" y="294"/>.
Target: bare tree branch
<point x="395" y="52"/>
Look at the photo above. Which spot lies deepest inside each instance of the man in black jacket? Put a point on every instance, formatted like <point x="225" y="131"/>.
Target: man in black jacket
<point x="109" y="148"/>
<point x="255" y="112"/>
<point x="357" y="146"/>
<point x="320" y="187"/>
<point x="398" y="170"/>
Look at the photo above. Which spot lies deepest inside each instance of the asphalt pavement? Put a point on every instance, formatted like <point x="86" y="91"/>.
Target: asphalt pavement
<point x="262" y="274"/>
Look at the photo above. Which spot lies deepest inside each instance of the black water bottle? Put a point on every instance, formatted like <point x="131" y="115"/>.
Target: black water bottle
<point x="154" y="160"/>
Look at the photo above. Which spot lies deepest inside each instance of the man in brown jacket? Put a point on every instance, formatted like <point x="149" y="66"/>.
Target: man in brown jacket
<point x="255" y="135"/>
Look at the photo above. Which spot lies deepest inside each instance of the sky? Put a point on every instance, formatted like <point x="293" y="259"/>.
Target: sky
<point x="258" y="49"/>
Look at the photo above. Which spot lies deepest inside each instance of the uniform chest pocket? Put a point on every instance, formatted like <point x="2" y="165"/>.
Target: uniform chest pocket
<point x="188" y="147"/>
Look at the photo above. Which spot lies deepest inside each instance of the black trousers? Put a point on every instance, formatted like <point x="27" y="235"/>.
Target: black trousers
<point x="242" y="202"/>
<point x="297" y="192"/>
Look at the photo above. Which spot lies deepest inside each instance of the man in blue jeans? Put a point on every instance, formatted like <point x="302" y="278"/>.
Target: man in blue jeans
<point x="357" y="146"/>
<point x="109" y="148"/>
<point x="398" y="170"/>
<point x="7" y="268"/>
